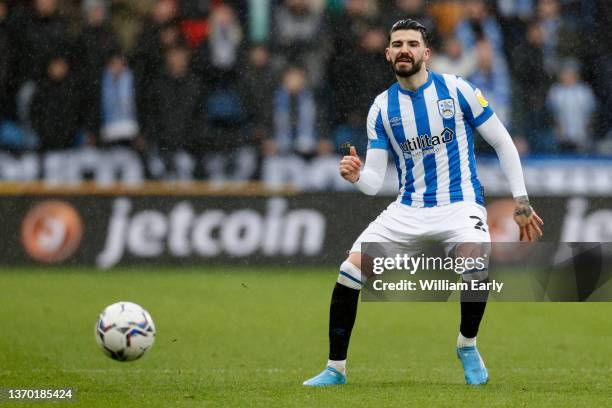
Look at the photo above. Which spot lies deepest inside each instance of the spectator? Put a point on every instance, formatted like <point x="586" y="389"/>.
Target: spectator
<point x="194" y="16"/>
<point x="216" y="59"/>
<point x="118" y="100"/>
<point x="601" y="65"/>
<point x="259" y="81"/>
<point x="513" y="16"/>
<point x="226" y="136"/>
<point x="356" y="18"/>
<point x="128" y="18"/>
<point x="491" y="77"/>
<point x="94" y="44"/>
<point x="478" y="25"/>
<point x="531" y="83"/>
<point x="96" y="39"/>
<point x="150" y="42"/>
<point x="217" y="65"/>
<point x="259" y="20"/>
<point x="229" y="97"/>
<point x="559" y="38"/>
<point x="160" y="32"/>
<point x="365" y="66"/>
<point x="572" y="105"/>
<point x="55" y="107"/>
<point x="300" y="35"/>
<point x="5" y="64"/>
<point x="11" y="136"/>
<point x="194" y="9"/>
<point x="295" y="118"/>
<point x="178" y="103"/>
<point x="36" y="34"/>
<point x="453" y="59"/>
<point x="513" y="9"/>
<point x="228" y="150"/>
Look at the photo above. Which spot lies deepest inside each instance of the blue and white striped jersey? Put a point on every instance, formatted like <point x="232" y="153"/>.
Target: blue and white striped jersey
<point x="430" y="134"/>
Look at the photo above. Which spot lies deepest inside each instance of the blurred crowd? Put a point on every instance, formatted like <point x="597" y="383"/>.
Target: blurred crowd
<point x="212" y="83"/>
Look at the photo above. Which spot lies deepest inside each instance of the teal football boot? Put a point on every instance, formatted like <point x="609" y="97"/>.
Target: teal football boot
<point x="329" y="376"/>
<point x="473" y="366"/>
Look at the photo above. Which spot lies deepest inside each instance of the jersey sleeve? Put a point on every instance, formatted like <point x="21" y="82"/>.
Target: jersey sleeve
<point x="377" y="137"/>
<point x="474" y="106"/>
<point x="496" y="134"/>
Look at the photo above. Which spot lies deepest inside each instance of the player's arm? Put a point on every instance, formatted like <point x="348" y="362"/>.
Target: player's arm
<point x="368" y="179"/>
<point x="479" y="114"/>
<point x="496" y="134"/>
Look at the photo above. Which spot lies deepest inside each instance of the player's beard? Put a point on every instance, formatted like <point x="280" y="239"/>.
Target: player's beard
<point x="405" y="73"/>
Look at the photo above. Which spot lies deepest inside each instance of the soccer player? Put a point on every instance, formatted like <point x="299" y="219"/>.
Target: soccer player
<point x="426" y="122"/>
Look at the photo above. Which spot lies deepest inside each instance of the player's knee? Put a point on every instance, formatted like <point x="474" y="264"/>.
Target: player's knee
<point x="355" y="259"/>
<point x="350" y="275"/>
<point x="475" y="256"/>
<point x="472" y="249"/>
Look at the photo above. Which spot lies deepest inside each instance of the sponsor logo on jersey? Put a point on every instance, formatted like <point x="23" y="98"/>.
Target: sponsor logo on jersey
<point x="426" y="144"/>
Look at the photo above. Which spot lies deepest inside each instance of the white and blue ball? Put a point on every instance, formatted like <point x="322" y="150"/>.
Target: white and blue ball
<point x="125" y="331"/>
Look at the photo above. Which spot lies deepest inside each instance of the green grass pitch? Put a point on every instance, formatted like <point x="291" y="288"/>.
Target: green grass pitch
<point x="250" y="336"/>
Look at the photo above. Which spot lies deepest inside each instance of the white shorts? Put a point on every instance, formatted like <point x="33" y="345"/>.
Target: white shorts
<point x="463" y="221"/>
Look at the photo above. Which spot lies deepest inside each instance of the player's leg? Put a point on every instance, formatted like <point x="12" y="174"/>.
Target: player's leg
<point x="467" y="233"/>
<point x="342" y="315"/>
<point x="473" y="304"/>
<point x="343" y="310"/>
<point x="389" y="226"/>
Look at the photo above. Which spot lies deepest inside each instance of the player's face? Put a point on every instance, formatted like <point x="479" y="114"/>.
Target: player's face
<point x="407" y="52"/>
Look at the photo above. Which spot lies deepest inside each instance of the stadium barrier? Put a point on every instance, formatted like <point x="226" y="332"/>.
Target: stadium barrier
<point x="204" y="224"/>
<point x="546" y="175"/>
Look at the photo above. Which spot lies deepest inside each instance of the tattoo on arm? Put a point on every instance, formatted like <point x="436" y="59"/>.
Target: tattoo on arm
<point x="523" y="208"/>
<point x="522" y="200"/>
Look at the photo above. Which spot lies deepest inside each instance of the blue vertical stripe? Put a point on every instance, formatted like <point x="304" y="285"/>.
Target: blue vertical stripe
<point x="429" y="160"/>
<point x="380" y="128"/>
<point x="452" y="148"/>
<point x="396" y="159"/>
<point x="397" y="128"/>
<point x="382" y="135"/>
<point x="465" y="106"/>
<point x="467" y="112"/>
<point x="382" y="140"/>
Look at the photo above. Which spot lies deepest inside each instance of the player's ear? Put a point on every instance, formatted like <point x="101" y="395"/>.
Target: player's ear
<point x="387" y="54"/>
<point x="426" y="54"/>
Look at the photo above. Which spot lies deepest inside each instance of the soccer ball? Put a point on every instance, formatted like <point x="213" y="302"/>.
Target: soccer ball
<point x="125" y="331"/>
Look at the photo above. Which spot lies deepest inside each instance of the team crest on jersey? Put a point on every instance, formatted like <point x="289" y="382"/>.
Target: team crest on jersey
<point x="446" y="107"/>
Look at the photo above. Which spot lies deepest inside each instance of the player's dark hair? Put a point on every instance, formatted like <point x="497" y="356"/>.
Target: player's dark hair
<point x="410" y="24"/>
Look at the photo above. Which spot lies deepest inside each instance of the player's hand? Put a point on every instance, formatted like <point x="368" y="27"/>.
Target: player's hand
<point x="350" y="166"/>
<point x="528" y="220"/>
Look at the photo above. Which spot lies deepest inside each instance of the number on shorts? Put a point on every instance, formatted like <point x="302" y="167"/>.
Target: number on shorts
<point x="480" y="224"/>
